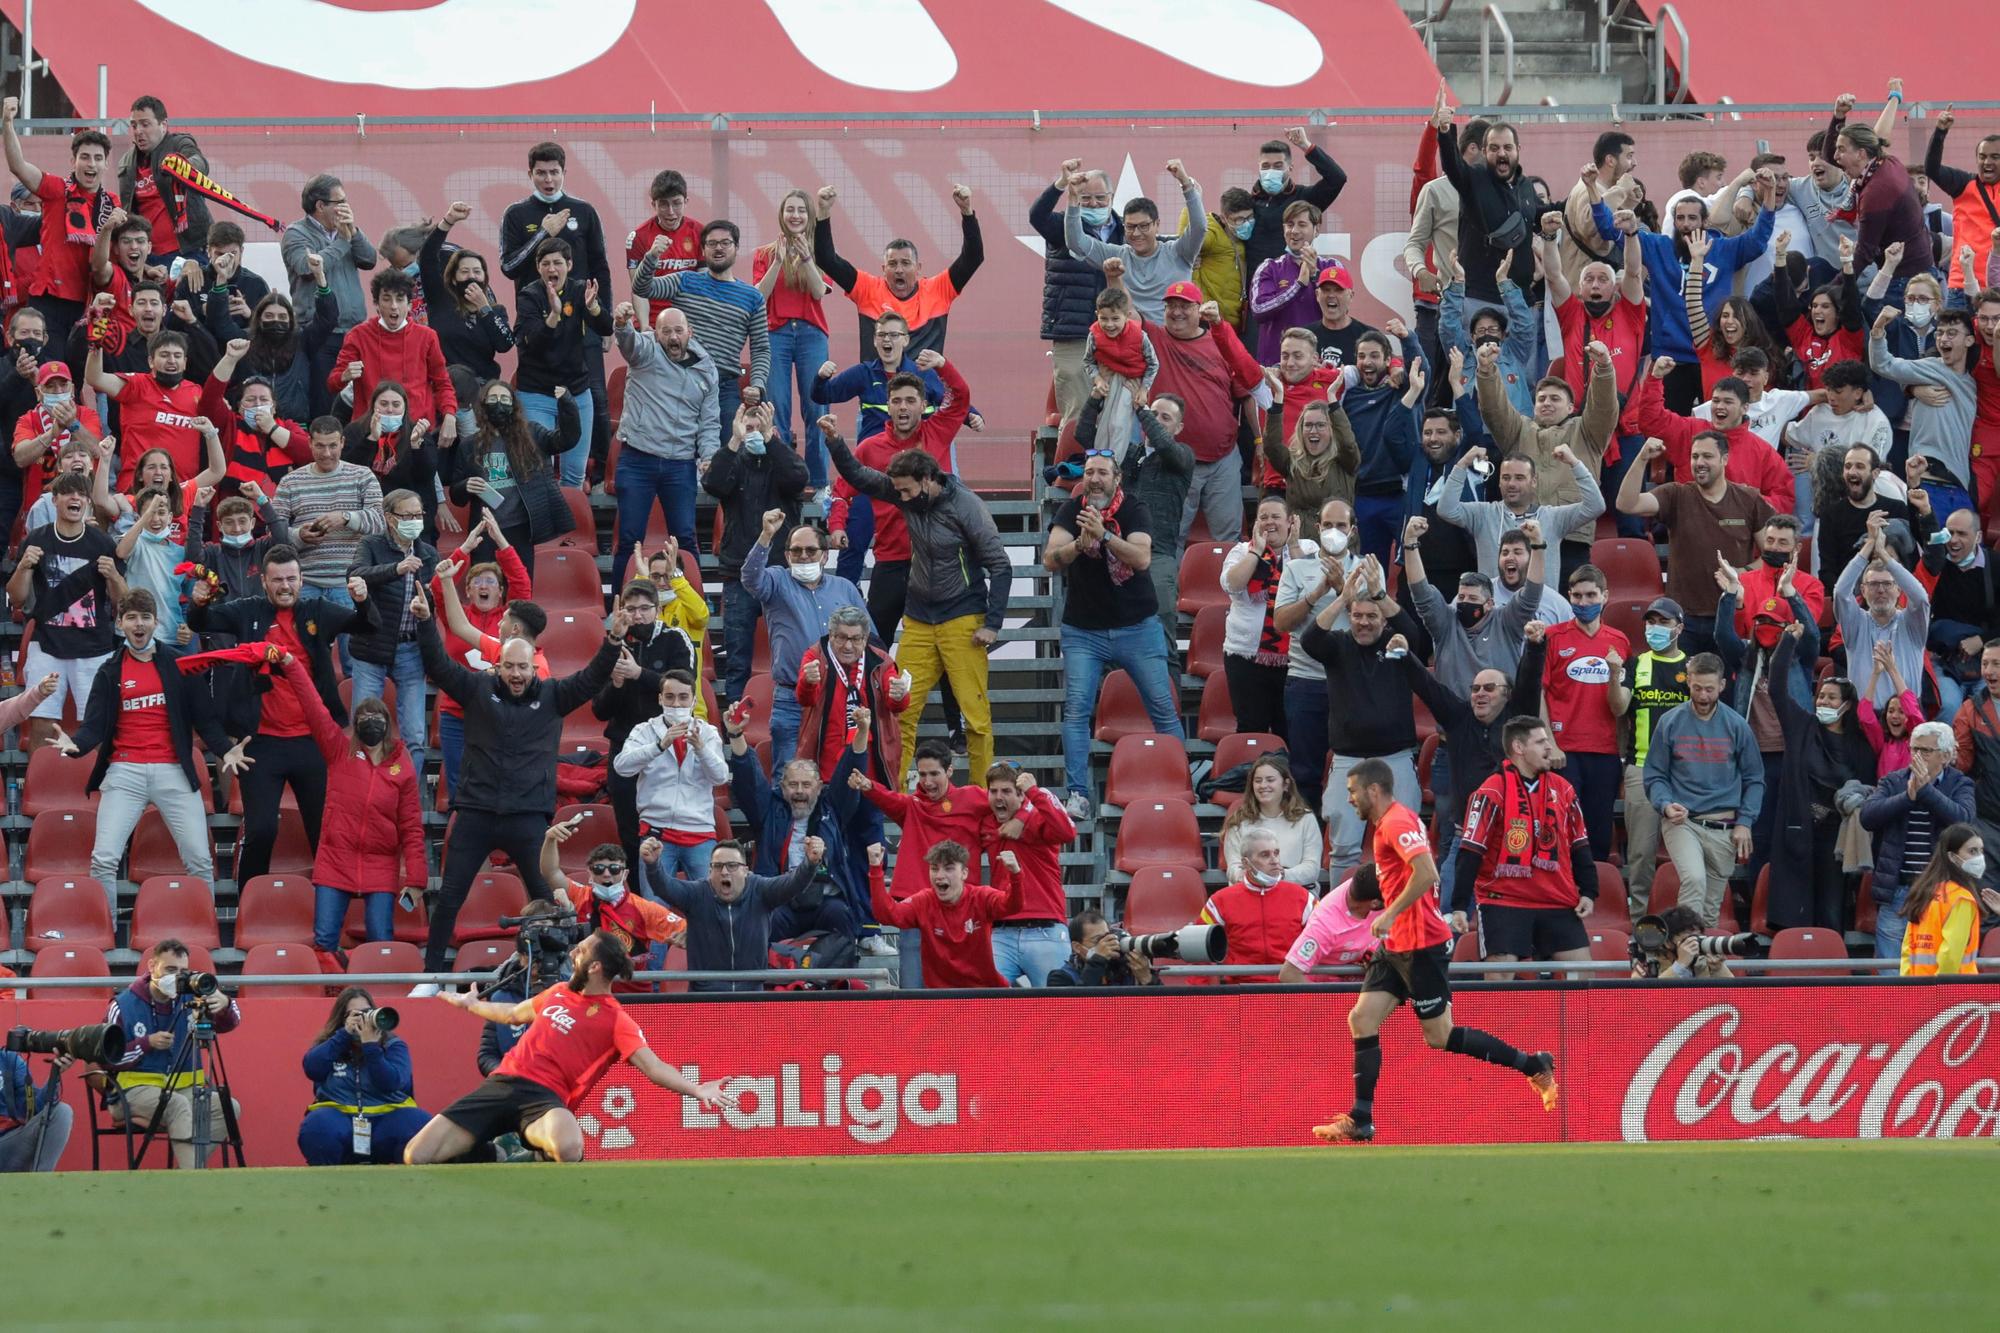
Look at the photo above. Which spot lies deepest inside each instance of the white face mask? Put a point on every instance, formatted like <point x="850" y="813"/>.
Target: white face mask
<point x="1829" y="716"/>
<point x="1259" y="878"/>
<point x="676" y="717"/>
<point x="1920" y="314"/>
<point x="411" y="528"/>
<point x="806" y="571"/>
<point x="550" y="197"/>
<point x="609" y="893"/>
<point x="1974" y="866"/>
<point x="1333" y="541"/>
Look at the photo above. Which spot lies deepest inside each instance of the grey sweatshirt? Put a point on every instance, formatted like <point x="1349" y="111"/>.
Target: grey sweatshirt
<point x="1905" y="633"/>
<point x="958" y="565"/>
<point x="672" y="408"/>
<point x="1705" y="765"/>
<point x="1487" y="520"/>
<point x="1943" y="433"/>
<point x="1462" y="654"/>
<point x="343" y="259"/>
<point x="1146" y="278"/>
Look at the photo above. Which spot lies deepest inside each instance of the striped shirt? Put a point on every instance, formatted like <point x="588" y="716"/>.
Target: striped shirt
<point x="723" y="313"/>
<point x="350" y="489"/>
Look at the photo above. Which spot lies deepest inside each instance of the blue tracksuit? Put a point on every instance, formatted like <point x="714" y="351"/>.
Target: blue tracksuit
<point x="371" y="1077"/>
<point x="1665" y="274"/>
<point x="135" y="1010"/>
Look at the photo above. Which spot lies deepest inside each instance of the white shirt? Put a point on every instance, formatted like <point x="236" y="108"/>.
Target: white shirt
<point x="1768" y="416"/>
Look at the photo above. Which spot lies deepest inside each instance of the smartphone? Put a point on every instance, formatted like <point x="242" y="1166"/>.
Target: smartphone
<point x="1763" y="147"/>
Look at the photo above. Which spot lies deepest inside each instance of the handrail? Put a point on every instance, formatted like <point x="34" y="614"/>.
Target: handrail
<point x="1606" y="21"/>
<point x="1488" y="17"/>
<point x="1668" y="14"/>
<point x="785" y="976"/>
<point x="1428" y="24"/>
<point x="1727" y="100"/>
<point x="1614" y="968"/>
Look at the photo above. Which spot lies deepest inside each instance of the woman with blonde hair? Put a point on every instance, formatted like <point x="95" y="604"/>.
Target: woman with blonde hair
<point x="792" y="286"/>
<point x="1320" y="461"/>
<point x="1271" y="801"/>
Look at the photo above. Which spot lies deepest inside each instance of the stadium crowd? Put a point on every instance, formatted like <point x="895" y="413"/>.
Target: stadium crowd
<point x="256" y="526"/>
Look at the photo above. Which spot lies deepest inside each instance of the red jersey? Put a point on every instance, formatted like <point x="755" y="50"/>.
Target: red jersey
<point x="151" y="417"/>
<point x="282" y="715"/>
<point x="64" y="270"/>
<point x="146" y="194"/>
<point x="1622" y="329"/>
<point x="142" y="735"/>
<point x="1986" y="414"/>
<point x="953" y="817"/>
<point x="120" y="287"/>
<point x="1526" y="833"/>
<point x="1760" y="584"/>
<point x="571" y="1042"/>
<point x="683" y="251"/>
<point x="37" y="473"/>
<point x="1816" y="353"/>
<point x="1576" y="679"/>
<point x="1397" y="843"/>
<point x="1046" y="829"/>
<point x="958" y="954"/>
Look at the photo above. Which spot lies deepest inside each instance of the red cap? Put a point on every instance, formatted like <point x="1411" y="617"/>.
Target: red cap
<point x="1775" y="609"/>
<point x="1185" y="291"/>
<point x="1335" y="274"/>
<point x="54" y="370"/>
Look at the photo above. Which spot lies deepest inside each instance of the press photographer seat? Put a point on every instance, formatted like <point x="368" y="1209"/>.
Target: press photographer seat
<point x="1163" y="898"/>
<point x="385" y="956"/>
<point x="1155" y="833"/>
<point x="1811" y="942"/>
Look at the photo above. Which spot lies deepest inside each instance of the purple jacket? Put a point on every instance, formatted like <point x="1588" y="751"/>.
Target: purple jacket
<point x="1279" y="301"/>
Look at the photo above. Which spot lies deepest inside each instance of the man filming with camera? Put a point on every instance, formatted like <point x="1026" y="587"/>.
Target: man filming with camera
<point x="1672" y="947"/>
<point x="157" y="1012"/>
<point x="1101" y="956"/>
<point x="34" y="1122"/>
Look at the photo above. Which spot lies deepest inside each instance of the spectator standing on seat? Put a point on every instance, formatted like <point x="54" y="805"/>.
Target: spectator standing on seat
<point x="606" y="900"/>
<point x="729" y="913"/>
<point x="923" y="300"/>
<point x="1498" y="209"/>
<point x="329" y="506"/>
<point x="1150" y="263"/>
<point x="727" y="315"/>
<point x="1706" y="779"/>
<point x="933" y="812"/>
<point x="487" y="587"/>
<point x="797" y="806"/>
<point x="396" y="566"/>
<point x="1707" y="518"/>
<point x="798" y="603"/>
<point x="1828" y="769"/>
<point x="1525" y="855"/>
<point x="399" y="448"/>
<point x="471" y="325"/>
<point x="1261" y="912"/>
<point x="1975" y="195"/>
<point x="948" y="911"/>
<point x="506" y="469"/>
<point x="1277" y="190"/>
<point x="793" y="286"/>
<point x="1472" y="631"/>
<point x="1848" y="505"/>
<point x="155" y="1019"/>
<point x="1940" y="433"/>
<point x="1656" y="682"/>
<point x="1584" y="695"/>
<point x="557" y="321"/>
<point x="67" y="577"/>
<point x="1284" y="288"/>
<point x="328" y="231"/>
<point x="676" y="760"/>
<point x="1908" y="812"/>
<point x="651" y="649"/>
<point x="1099" y="540"/>
<point x="1319" y="462"/>
<point x="683" y="606"/>
<point x="1487" y="519"/>
<point x="1883" y="581"/>
<point x="670" y="428"/>
<point x="1964" y="579"/>
<point x="141" y="718"/>
<point x="668" y="195"/>
<point x="1025" y="821"/>
<point x="1156" y="473"/>
<point x="364" y="1107"/>
<point x="1271" y="802"/>
<point x="178" y="215"/>
<point x="1382" y="411"/>
<point x="1221" y="268"/>
<point x="394" y="347"/>
<point x="1070" y="284"/>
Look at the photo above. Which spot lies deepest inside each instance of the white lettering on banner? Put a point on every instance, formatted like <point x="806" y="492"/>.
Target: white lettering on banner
<point x="139" y="701"/>
<point x="1817" y="1087"/>
<point x="873" y="1106"/>
<point x="173" y="419"/>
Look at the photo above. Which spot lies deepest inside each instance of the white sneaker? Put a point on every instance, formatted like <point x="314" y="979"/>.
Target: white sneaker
<point x="424" y="990"/>
<point x="878" y="945"/>
<point x="1079" y="806"/>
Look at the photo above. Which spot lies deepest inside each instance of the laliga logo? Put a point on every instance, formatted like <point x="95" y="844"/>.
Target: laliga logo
<point x="870" y="1108"/>
<point x="1817" y="1087"/>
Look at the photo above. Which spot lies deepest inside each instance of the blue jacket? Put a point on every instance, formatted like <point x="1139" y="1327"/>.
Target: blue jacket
<point x="1736" y="656"/>
<point x="378" y="1081"/>
<point x="1665" y="275"/>
<point x="134" y="1010"/>
<point x="1386" y="431"/>
<point x="1069" y="285"/>
<point x="1517" y="349"/>
<point x="733" y="936"/>
<point x="869" y="382"/>
<point x="1949" y="800"/>
<point x="17" y="1088"/>
<point x="771" y="820"/>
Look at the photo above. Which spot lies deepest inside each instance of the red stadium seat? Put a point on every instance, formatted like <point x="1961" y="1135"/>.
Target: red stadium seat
<point x="567" y="579"/>
<point x="1426" y="761"/>
<point x="760" y="647"/>
<point x="291" y="854"/>
<point x="1201" y="575"/>
<point x="274" y="909"/>
<point x="1163" y="898"/>
<point x="72" y="960"/>
<point x="1631" y="566"/>
<point x="571" y="639"/>
<point x="1158" y="833"/>
<point x="199" y="959"/>
<point x="54" y="782"/>
<point x="59" y="844"/>
<point x="493" y="895"/>
<point x="759" y="691"/>
<point x="1865" y="907"/>
<point x="602" y="826"/>
<point x="1811" y="942"/>
<point x="1420" y="714"/>
<point x="584" y="534"/>
<point x="675" y="961"/>
<point x="1146" y="768"/>
<point x="69" y="911"/>
<point x="1204" y="653"/>
<point x="482" y="955"/>
<point x="1666" y="887"/>
<point x="175" y="907"/>
<point x="1989" y="944"/>
<point x="154" y="851"/>
<point x="1239" y="748"/>
<point x="1216" y="718"/>
<point x="1609" y="946"/>
<point x="1628" y="617"/>
<point x="1119" y="710"/>
<point x="1467" y="948"/>
<point x="282" y="960"/>
<point x="384" y="956"/>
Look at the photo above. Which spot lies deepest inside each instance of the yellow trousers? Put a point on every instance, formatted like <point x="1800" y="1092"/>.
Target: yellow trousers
<point x="930" y="653"/>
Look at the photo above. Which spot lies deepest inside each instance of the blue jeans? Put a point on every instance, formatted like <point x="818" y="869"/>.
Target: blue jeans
<point x="785" y="720"/>
<point x="1142" y="650"/>
<point x="729" y="397"/>
<point x="540" y="408"/>
<point x="451" y="743"/>
<point x="643" y="478"/>
<point x="797" y="351"/>
<point x="860" y="536"/>
<point x="408" y="673"/>
<point x="336" y="596"/>
<point x="686" y="862"/>
<point x="739" y="638"/>
<point x="330" y="913"/>
<point x="1025" y="955"/>
<point x="1306" y="713"/>
<point x="910" y="959"/>
<point x="1889" y="925"/>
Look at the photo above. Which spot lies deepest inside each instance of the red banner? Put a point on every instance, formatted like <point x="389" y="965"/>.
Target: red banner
<point x="1220" y="1069"/>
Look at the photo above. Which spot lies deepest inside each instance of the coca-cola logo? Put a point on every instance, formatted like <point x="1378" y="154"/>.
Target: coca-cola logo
<point x="1701" y="1078"/>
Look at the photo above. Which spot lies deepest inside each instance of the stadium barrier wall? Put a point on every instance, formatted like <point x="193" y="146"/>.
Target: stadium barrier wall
<point x="1204" y="1068"/>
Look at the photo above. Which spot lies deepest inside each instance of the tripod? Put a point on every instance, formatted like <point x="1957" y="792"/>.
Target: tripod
<point x="199" y="1051"/>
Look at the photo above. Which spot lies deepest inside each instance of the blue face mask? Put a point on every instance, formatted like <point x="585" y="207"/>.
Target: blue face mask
<point x="1243" y="229"/>
<point x="753" y="444"/>
<point x="391" y="422"/>
<point x="1096" y="217"/>
<point x="1659" y="637"/>
<point x="236" y="539"/>
<point x="58" y="399"/>
<point x="1271" y="182"/>
<point x="550" y="197"/>
<point x="410" y="269"/>
<point x="249" y="419"/>
<point x="1589" y="612"/>
<point x="149" y="536"/>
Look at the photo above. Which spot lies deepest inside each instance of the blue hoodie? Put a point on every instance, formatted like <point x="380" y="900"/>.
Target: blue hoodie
<point x="1666" y="274"/>
<point x="1386" y="431"/>
<point x="869" y="382"/>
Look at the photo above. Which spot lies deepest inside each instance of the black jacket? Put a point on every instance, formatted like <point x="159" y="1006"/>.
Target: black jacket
<point x="750" y="487"/>
<point x="1096" y="972"/>
<point x="552" y="356"/>
<point x="521" y="232"/>
<point x="1487" y="205"/>
<point x="541" y="493"/>
<point x="415" y="468"/>
<point x="623" y="707"/>
<point x="249" y="619"/>
<point x="1069" y="285"/>
<point x="1267" y="234"/>
<point x="474" y="341"/>
<point x="1158" y="474"/>
<point x="188" y="210"/>
<point x="510" y="743"/>
<point x="1370" y="696"/>
<point x="298" y="385"/>
<point x="375" y="564"/>
<point x="188" y="711"/>
<point x="241" y="567"/>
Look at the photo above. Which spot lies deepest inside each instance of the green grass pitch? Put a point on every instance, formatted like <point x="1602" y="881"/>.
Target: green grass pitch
<point x="1763" y="1236"/>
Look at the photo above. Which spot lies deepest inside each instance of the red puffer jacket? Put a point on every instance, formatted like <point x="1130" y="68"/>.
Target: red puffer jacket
<point x="371" y="837"/>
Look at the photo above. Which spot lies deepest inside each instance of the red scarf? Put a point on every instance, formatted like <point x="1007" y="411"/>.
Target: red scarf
<point x="263" y="654"/>
<point x="1273" y="645"/>
<point x="84" y="212"/>
<point x="1116" y="568"/>
<point x="1529" y="830"/>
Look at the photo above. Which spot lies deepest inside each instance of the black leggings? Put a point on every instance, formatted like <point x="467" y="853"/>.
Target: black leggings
<point x="888" y="593"/>
<point x="279" y="759"/>
<point x="474" y="836"/>
<point x="1257" y="692"/>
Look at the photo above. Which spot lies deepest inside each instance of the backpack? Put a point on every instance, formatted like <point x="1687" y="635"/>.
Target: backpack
<point x="814" y="949"/>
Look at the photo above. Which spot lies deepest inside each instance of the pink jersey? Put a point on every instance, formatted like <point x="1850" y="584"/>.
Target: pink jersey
<point x="1333" y="934"/>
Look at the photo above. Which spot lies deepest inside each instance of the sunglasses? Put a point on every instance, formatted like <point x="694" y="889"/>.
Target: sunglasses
<point x="1100" y="453"/>
<point x="608" y="868"/>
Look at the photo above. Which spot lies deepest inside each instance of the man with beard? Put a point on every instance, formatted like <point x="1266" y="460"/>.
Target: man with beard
<point x="1974" y="195"/>
<point x="795" y="808"/>
<point x="330" y="505"/>
<point x="1026" y="823"/>
<point x="1497" y="211"/>
<point x="1487" y="519"/>
<point x="1510" y="577"/>
<point x="1450" y="551"/>
<point x="1778" y="548"/>
<point x="1472" y="631"/>
<point x="1667" y="259"/>
<point x="725" y="313"/>
<point x="670" y="428"/>
<point x="1525" y="855"/>
<point x="176" y="216"/>
<point x="1846" y="519"/>
<point x="1707" y="519"/>
<point x="1555" y="426"/>
<point x="1751" y="461"/>
<point x="73" y="209"/>
<point x="1385" y="429"/>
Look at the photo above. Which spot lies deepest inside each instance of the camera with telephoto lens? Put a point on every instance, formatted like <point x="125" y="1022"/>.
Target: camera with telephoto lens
<point x="385" y="1019"/>
<point x="1189" y="944"/>
<point x="195" y="985"/>
<point x="546" y="938"/>
<point x="96" y="1043"/>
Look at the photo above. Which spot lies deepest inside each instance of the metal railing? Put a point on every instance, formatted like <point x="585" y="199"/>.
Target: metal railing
<point x="1489" y="18"/>
<point x="1668" y="14"/>
<point x="1613" y="968"/>
<point x="1428" y="25"/>
<point x="875" y="976"/>
<point x="1609" y="18"/>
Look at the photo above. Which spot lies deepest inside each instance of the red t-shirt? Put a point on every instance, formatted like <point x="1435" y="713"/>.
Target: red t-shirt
<point x="1986" y="418"/>
<point x="282" y="714"/>
<point x="1816" y="353"/>
<point x="683" y="254"/>
<point x="142" y="735"/>
<point x="957" y="939"/>
<point x="120" y="287"/>
<point x="154" y="209"/>
<point x="1622" y="329"/>
<point x="150" y="417"/>
<point x="1575" y="680"/>
<point x="64" y="271"/>
<point x="1399" y="840"/>
<point x="572" y="1041"/>
<point x="785" y="301"/>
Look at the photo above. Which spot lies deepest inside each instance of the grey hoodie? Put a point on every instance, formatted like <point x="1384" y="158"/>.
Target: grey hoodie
<point x="1943" y="433"/>
<point x="949" y="536"/>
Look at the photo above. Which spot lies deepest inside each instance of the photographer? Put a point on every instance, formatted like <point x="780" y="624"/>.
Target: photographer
<point x="156" y="1012"/>
<point x="364" y="1106"/>
<point x="538" y="973"/>
<point x="1101" y="956"/>
<point x="1669" y="947"/>
<point x="606" y="902"/>
<point x="34" y="1123"/>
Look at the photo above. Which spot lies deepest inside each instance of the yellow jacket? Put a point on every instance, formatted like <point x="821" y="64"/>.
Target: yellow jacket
<point x="1219" y="270"/>
<point x="687" y="610"/>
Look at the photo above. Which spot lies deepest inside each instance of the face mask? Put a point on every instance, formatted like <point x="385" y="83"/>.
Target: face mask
<point x="1920" y="314"/>
<point x="753" y="444"/>
<point x="807" y="572"/>
<point x="675" y="717"/>
<point x="53" y="400"/>
<point x="1096" y="217"/>
<point x="409" y="527"/>
<point x="390" y="422"/>
<point x="1974" y="866"/>
<point x="550" y="197"/>
<point x="1766" y="636"/>
<point x="1587" y="613"/>
<point x="150" y="536"/>
<point x="372" y="730"/>
<point x="167" y="379"/>
<point x="32" y="346"/>
<point x="249" y="419"/>
<point x="1659" y="638"/>
<point x="1827" y="716"/>
<point x="1242" y="230"/>
<point x="501" y="410"/>
<point x="608" y="893"/>
<point x="1259" y="878"/>
<point x="1271" y="182"/>
<point x="1333" y="541"/>
<point x="142" y="647"/>
<point x="1776" y="559"/>
<point x="410" y="269"/>
<point x="236" y="539"/>
<point x="274" y="331"/>
<point x="1469" y="614"/>
<point x="1597" y="309"/>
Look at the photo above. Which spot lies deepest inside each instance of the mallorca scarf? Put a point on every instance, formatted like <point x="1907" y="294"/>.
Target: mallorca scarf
<point x="1116" y="568"/>
<point x="84" y="211"/>
<point x="1528" y="835"/>
<point x="1273" y="645"/>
